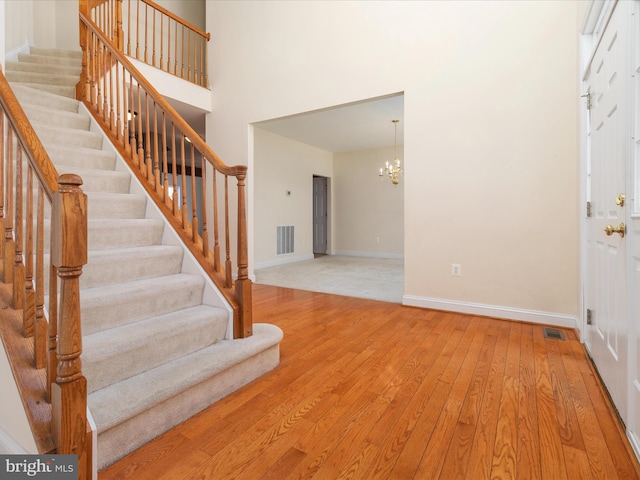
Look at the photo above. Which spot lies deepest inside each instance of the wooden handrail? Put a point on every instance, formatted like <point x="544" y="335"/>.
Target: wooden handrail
<point x="27" y="171"/>
<point x="160" y="145"/>
<point x="150" y="33"/>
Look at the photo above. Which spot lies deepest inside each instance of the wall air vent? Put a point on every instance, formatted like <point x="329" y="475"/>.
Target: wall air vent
<point x="284" y="239"/>
<point x="553" y="333"/>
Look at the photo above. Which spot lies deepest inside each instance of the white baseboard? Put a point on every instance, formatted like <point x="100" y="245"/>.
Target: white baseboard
<point x="633" y="440"/>
<point x="12" y="55"/>
<point x="282" y="261"/>
<point x="8" y="445"/>
<point x="495" y="311"/>
<point x="355" y="253"/>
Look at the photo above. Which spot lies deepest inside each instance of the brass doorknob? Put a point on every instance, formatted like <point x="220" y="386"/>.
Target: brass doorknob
<point x="620" y="200"/>
<point x="620" y="229"/>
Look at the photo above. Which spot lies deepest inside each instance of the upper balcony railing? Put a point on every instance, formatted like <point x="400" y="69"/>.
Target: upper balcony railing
<point x="148" y="32"/>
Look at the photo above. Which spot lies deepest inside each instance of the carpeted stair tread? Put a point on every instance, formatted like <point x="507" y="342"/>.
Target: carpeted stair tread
<point x="106" y="267"/>
<point x="43" y="58"/>
<point x="116" y="205"/>
<point x="118" y="233"/>
<point x="67" y="136"/>
<point x="75" y="55"/>
<point x="62" y="90"/>
<point x="48" y="68"/>
<point x="103" y="205"/>
<point x="29" y="95"/>
<point x="99" y="180"/>
<point x="44" y="114"/>
<point x="128" y="352"/>
<point x="122" y="233"/>
<point x="23" y="76"/>
<point x="80" y="157"/>
<point x="113" y="305"/>
<point x="123" y="400"/>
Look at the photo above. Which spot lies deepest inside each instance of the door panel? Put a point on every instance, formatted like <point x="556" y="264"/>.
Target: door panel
<point x="608" y="335"/>
<point x="320" y="215"/>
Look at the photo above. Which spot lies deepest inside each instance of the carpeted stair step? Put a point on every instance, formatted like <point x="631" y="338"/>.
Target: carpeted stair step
<point x="29" y="95"/>
<point x="48" y="59"/>
<point x="46" y="68"/>
<point x="43" y="114"/>
<point x="130" y="413"/>
<point x="124" y="233"/>
<point x="99" y="180"/>
<point x="80" y="157"/>
<point x="114" y="305"/>
<point x="121" y="265"/>
<point x="67" y="136"/>
<point x="58" y="53"/>
<point x="117" y="233"/>
<point x="22" y="76"/>
<point x="116" y="205"/>
<point x="111" y="205"/>
<point x="62" y="90"/>
<point x="128" y="352"/>
<point x="106" y="267"/>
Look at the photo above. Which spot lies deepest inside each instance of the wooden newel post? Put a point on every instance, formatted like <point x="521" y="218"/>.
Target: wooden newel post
<point x="69" y="254"/>
<point x="244" y="328"/>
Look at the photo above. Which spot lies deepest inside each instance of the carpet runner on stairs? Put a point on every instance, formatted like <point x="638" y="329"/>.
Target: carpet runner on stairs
<point x="156" y="348"/>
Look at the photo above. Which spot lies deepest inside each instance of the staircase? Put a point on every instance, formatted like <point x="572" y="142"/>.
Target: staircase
<point x="157" y="342"/>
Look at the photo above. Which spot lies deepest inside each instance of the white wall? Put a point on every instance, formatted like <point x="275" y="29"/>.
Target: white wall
<point x="18" y="27"/>
<point x="368" y="212"/>
<point x="2" y="41"/>
<point x="193" y="11"/>
<point x="283" y="165"/>
<point x="490" y="119"/>
<point x="15" y="432"/>
<point x="41" y="23"/>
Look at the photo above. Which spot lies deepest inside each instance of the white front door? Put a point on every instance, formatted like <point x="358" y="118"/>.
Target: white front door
<point x="607" y="334"/>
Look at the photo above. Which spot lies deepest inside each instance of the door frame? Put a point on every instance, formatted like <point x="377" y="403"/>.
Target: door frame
<point x="595" y="21"/>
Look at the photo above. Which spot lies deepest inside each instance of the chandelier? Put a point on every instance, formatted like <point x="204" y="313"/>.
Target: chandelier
<point x="392" y="168"/>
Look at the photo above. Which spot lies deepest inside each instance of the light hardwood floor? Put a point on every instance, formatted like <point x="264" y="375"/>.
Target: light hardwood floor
<point x="374" y="390"/>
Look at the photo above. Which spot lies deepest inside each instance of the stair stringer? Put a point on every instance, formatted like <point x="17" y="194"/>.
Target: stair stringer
<point x="212" y="295"/>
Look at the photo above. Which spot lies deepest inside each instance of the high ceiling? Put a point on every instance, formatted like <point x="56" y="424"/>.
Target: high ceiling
<point x="344" y="128"/>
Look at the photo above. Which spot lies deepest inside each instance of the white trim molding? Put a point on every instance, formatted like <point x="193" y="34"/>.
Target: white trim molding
<point x="495" y="311"/>
<point x="9" y="445"/>
<point x="12" y="55"/>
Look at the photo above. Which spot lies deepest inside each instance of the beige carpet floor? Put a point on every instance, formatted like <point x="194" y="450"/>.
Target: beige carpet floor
<point x="362" y="277"/>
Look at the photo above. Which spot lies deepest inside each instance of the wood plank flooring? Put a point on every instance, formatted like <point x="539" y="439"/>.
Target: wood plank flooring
<point x="373" y="390"/>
